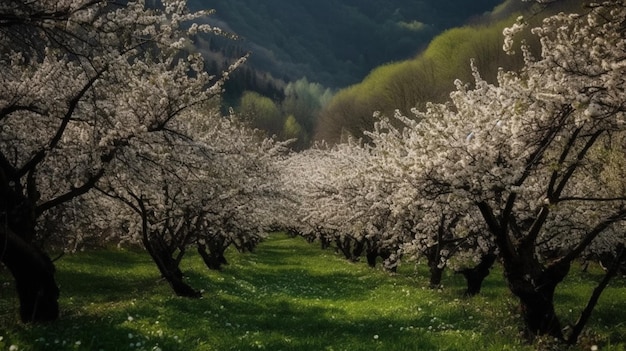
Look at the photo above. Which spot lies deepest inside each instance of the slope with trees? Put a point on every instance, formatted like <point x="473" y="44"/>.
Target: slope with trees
<point x="429" y="76"/>
<point x="336" y="43"/>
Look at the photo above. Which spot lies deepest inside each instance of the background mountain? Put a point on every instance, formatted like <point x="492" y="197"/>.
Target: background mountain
<point x="335" y="43"/>
<point x="318" y="70"/>
<point x="430" y="75"/>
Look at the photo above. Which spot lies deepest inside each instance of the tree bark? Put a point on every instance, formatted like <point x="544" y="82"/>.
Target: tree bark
<point x="436" y="274"/>
<point x="539" y="315"/>
<point x="595" y="296"/>
<point x="536" y="294"/>
<point x="357" y="251"/>
<point x="213" y="260"/>
<point x="345" y="247"/>
<point x="161" y="255"/>
<point x="476" y="275"/>
<point x="371" y="256"/>
<point x="33" y="272"/>
<point x="433" y="255"/>
<point x="170" y="270"/>
<point x="526" y="277"/>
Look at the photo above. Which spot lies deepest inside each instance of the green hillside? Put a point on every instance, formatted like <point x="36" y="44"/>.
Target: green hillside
<point x="430" y="75"/>
<point x="336" y="43"/>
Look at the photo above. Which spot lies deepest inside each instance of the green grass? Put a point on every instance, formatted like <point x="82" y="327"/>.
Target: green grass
<point x="288" y="295"/>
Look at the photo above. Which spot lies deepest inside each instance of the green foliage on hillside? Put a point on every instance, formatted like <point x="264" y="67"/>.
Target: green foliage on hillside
<point x="293" y="117"/>
<point x="336" y="43"/>
<point x="430" y="75"/>
<point x="408" y="84"/>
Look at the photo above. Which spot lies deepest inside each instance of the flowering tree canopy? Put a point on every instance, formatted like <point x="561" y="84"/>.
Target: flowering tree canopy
<point x="81" y="80"/>
<point x="529" y="167"/>
<point x="529" y="153"/>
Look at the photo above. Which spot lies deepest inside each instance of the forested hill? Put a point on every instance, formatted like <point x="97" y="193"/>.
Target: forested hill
<point x="336" y="42"/>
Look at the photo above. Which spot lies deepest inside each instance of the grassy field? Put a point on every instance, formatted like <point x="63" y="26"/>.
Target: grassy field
<point x="288" y="295"/>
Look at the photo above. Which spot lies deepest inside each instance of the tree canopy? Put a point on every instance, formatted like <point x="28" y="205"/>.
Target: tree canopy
<point x="518" y="166"/>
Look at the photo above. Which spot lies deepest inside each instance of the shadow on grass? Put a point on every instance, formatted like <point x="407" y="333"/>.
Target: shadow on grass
<point x="287" y="295"/>
<point x="102" y="275"/>
<point x="287" y="325"/>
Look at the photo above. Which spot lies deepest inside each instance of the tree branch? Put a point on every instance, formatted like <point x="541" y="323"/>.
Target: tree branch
<point x="595" y="296"/>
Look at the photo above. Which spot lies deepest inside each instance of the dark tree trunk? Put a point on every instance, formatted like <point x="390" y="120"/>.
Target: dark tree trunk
<point x="345" y="245"/>
<point x="536" y="293"/>
<point x="433" y="255"/>
<point x="371" y="256"/>
<point x="162" y="256"/>
<point x="213" y="260"/>
<point x="33" y="272"/>
<point x="436" y="274"/>
<point x="359" y="246"/>
<point x="170" y="271"/>
<point x="476" y="275"/>
<point x="32" y="269"/>
<point x="538" y="312"/>
<point x="324" y="243"/>
<point x="527" y="278"/>
<point x="595" y="296"/>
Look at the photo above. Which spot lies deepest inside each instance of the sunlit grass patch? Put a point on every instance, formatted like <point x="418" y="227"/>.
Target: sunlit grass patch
<point x="287" y="295"/>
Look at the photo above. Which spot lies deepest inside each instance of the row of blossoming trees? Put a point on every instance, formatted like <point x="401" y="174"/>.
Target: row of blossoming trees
<point x="109" y="128"/>
<point x="529" y="169"/>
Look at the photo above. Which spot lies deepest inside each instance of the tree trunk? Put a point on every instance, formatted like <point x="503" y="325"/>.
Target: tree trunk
<point x="359" y="246"/>
<point x="595" y="296"/>
<point x="538" y="313"/>
<point x="33" y="272"/>
<point x="371" y="256"/>
<point x="433" y="254"/>
<point x="476" y="275"/>
<point x="170" y="270"/>
<point x="536" y="294"/>
<point x="213" y="260"/>
<point x="436" y="274"/>
<point x="345" y="247"/>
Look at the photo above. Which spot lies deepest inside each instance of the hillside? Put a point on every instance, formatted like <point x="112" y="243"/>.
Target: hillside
<point x="430" y="75"/>
<point x="336" y="43"/>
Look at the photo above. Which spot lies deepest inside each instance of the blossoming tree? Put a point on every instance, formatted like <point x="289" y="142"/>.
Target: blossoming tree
<point x="207" y="183"/>
<point x="81" y="80"/>
<point x="526" y="153"/>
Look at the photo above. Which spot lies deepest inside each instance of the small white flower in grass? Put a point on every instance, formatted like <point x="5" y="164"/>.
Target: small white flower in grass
<point x="594" y="348"/>
<point x="13" y="348"/>
<point x="78" y="343"/>
<point x="130" y="318"/>
<point x="376" y="337"/>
